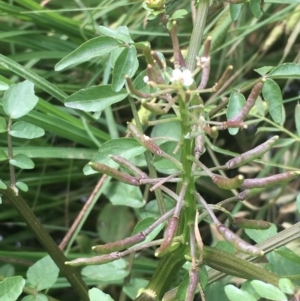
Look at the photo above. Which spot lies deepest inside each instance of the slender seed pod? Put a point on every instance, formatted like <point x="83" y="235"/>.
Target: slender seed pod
<point x="154" y="108"/>
<point x="192" y="284"/>
<point x="231" y="124"/>
<point x="169" y="235"/>
<point x="251" y="224"/>
<point x="144" y="140"/>
<point x="270" y="181"/>
<point x="120" y="245"/>
<point x="94" y="260"/>
<point x="161" y="64"/>
<point x="199" y="145"/>
<point x="125" y="163"/>
<point x="223" y="78"/>
<point x="248" y="193"/>
<point x="226" y="183"/>
<point x="211" y="131"/>
<point x="239" y="244"/>
<point x="105" y="169"/>
<point x="256" y="90"/>
<point x="251" y="154"/>
<point x="135" y="91"/>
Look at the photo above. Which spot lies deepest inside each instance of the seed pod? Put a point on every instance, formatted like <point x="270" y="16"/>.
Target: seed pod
<point x="192" y="285"/>
<point x="152" y="107"/>
<point x="270" y="181"/>
<point x="248" y="193"/>
<point x="123" y="177"/>
<point x="94" y="260"/>
<point x="144" y="140"/>
<point x="211" y="131"/>
<point x="125" y="163"/>
<point x="223" y="78"/>
<point x="239" y="244"/>
<point x="199" y="145"/>
<point x="226" y="183"/>
<point x="256" y="90"/>
<point x="251" y="224"/>
<point x="169" y="235"/>
<point x="119" y="245"/>
<point x="251" y="154"/>
<point x="135" y="91"/>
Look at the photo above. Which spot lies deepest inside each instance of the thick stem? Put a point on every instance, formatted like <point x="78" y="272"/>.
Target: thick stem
<point x="197" y="34"/>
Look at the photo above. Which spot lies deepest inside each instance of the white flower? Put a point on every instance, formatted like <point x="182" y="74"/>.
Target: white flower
<point x="184" y="77"/>
<point x="146" y="79"/>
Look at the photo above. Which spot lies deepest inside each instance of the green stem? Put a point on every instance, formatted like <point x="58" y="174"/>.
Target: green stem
<point x="197" y="34"/>
<point x="47" y="242"/>
<point x="10" y="155"/>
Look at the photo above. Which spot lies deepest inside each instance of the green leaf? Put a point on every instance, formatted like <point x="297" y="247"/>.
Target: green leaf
<point x="286" y="286"/>
<point x="122" y="194"/>
<point x="121" y="33"/>
<point x="132" y="288"/>
<point x="171" y="130"/>
<point x="255" y="8"/>
<point x="2" y="186"/>
<point x="19" y="99"/>
<point x="95" y="98"/>
<point x="11" y="288"/>
<point x="263" y="70"/>
<point x="116" y="228"/>
<point x="38" y="297"/>
<point x="297" y="118"/>
<point x="235" y="10"/>
<point x="164" y="165"/>
<point x="268" y="291"/>
<point x="3" y="155"/>
<point x="235" y="294"/>
<point x="3" y="126"/>
<point x="215" y="292"/>
<point x="285" y="264"/>
<point x="3" y="86"/>
<point x="144" y="224"/>
<point x="236" y="103"/>
<point x="96" y="295"/>
<point x="178" y="14"/>
<point x="7" y="270"/>
<point x="127" y="148"/>
<point x="22" y="129"/>
<point x="288" y="70"/>
<point x="289" y="255"/>
<point x="22" y="186"/>
<point x="109" y="272"/>
<point x="43" y="274"/>
<point x="124" y="65"/>
<point x="95" y="47"/>
<point x="22" y="161"/>
<point x="272" y="94"/>
<point x="247" y="287"/>
<point x="298" y="202"/>
<point x="261" y="235"/>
